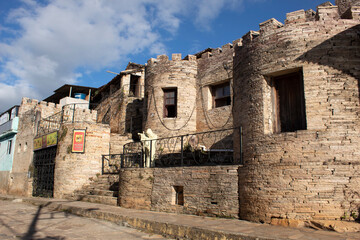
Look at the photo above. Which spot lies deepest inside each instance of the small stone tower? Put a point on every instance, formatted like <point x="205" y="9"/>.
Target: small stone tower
<point x="170" y="95"/>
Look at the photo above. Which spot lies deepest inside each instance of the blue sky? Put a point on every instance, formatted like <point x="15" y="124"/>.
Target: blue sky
<point x="47" y="43"/>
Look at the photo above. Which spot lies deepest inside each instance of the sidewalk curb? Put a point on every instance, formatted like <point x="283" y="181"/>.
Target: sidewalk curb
<point x="156" y="227"/>
<point x="180" y="226"/>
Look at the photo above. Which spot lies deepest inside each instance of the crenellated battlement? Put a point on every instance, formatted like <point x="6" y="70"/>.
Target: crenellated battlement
<point x="217" y="51"/>
<point x="326" y="12"/>
<point x="29" y="101"/>
<point x="175" y="57"/>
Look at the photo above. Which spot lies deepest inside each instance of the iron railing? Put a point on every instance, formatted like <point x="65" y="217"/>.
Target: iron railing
<point x="205" y="148"/>
<point x="132" y="155"/>
<point x="69" y="113"/>
<point x="111" y="163"/>
<point x="49" y="124"/>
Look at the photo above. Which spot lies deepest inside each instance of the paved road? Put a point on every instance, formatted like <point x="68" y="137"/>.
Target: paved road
<point x="24" y="221"/>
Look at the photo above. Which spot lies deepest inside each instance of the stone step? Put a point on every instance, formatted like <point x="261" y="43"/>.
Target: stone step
<point x="101" y="192"/>
<point x="107" y="179"/>
<point x="108" y="200"/>
<point x="103" y="189"/>
<point x="112" y="187"/>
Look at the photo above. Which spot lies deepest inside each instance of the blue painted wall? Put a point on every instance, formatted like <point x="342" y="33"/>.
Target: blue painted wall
<point x="6" y="157"/>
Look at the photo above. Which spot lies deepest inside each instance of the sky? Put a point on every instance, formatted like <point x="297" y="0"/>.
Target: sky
<point x="45" y="44"/>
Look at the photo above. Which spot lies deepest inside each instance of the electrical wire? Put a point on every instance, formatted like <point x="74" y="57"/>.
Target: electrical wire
<point x="207" y="117"/>
<point x="160" y="119"/>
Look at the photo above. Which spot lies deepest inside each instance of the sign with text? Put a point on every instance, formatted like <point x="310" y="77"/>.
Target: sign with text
<point x="78" y="143"/>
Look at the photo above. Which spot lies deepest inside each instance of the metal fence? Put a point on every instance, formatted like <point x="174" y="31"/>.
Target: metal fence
<point x="49" y="124"/>
<point x="69" y="113"/>
<point x="111" y="163"/>
<point x="198" y="149"/>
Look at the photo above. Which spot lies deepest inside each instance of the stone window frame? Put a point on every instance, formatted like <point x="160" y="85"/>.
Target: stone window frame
<point x="134" y="86"/>
<point x="169" y="106"/>
<point x="276" y="100"/>
<point x="178" y="195"/>
<point x="225" y="97"/>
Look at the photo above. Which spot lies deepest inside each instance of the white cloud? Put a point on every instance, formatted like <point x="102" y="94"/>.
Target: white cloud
<point x="57" y="37"/>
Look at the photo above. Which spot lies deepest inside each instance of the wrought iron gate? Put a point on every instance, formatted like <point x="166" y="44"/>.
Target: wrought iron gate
<point x="44" y="166"/>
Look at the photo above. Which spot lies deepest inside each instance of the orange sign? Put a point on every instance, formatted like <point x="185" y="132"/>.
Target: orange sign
<point x="78" y="144"/>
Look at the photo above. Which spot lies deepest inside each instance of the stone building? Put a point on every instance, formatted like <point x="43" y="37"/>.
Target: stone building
<point x="297" y="99"/>
<point x="34" y="169"/>
<point x="283" y="102"/>
<point x="178" y="97"/>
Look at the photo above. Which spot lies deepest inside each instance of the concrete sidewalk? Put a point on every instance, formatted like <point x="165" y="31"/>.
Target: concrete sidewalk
<point x="183" y="226"/>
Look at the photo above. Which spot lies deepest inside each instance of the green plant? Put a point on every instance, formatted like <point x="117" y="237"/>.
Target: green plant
<point x="63" y="134"/>
<point x="354" y="215"/>
<point x="69" y="149"/>
<point x="151" y="179"/>
<point x="345" y="216"/>
<point x="141" y="176"/>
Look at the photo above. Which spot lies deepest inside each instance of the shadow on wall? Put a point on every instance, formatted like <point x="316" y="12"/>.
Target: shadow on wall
<point x="133" y="118"/>
<point x="341" y="52"/>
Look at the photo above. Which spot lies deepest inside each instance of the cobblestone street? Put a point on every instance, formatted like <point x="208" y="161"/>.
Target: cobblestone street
<point x="23" y="221"/>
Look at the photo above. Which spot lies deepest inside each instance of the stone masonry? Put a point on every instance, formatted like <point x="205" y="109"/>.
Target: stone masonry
<point x="30" y="112"/>
<point x="214" y="68"/>
<point x="211" y="191"/>
<point x="311" y="173"/>
<point x="74" y="170"/>
<point x="291" y="172"/>
<point x="161" y="74"/>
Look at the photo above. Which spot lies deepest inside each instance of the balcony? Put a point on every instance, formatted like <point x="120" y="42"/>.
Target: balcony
<point x="9" y="127"/>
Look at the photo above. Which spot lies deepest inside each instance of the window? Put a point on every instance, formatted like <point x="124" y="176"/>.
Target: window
<point x="170" y="103"/>
<point x="9" y="147"/>
<point x="178" y="195"/>
<point x="221" y="95"/>
<point x="289" y="102"/>
<point x="134" y="86"/>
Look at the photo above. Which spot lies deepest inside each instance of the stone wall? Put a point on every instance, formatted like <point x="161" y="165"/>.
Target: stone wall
<point x="344" y="5"/>
<point x="30" y="112"/>
<point x="121" y="104"/>
<point x="214" y="68"/>
<point x="136" y="188"/>
<point x="311" y="173"/>
<point x="4" y="181"/>
<point x="162" y="73"/>
<point x="74" y="170"/>
<point x="210" y="191"/>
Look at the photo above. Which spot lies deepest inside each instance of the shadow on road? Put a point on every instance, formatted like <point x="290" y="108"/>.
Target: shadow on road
<point x="30" y="234"/>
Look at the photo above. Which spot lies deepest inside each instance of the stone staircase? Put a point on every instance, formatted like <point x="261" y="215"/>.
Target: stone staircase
<point x="103" y="189"/>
